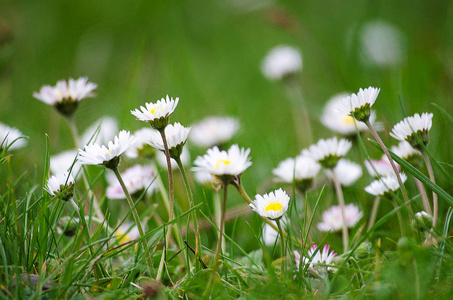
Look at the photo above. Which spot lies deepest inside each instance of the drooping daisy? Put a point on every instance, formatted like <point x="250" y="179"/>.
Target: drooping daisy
<point x="224" y="164"/>
<point x="107" y="126"/>
<point x="11" y="138"/>
<point x="136" y="179"/>
<point x="213" y="131"/>
<point x="108" y="156"/>
<point x="303" y="173"/>
<point x="346" y="171"/>
<point x="411" y="127"/>
<point x="359" y="105"/>
<point x="407" y="152"/>
<point x="332" y="219"/>
<point x="378" y="168"/>
<point x="65" y="96"/>
<point x="61" y="184"/>
<point x="281" y="61"/>
<point x="63" y="161"/>
<point x="157" y="114"/>
<point x="141" y="146"/>
<point x="383" y="186"/>
<point x="176" y="136"/>
<point x="342" y="122"/>
<point x="315" y="256"/>
<point x="272" y="205"/>
<point x="328" y="152"/>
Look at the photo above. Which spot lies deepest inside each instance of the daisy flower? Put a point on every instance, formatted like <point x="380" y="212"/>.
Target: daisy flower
<point x="303" y="173"/>
<point x="359" y="105"/>
<point x="204" y="178"/>
<point x="11" y="138"/>
<point x="346" y="171"/>
<point x="333" y="221"/>
<point x="156" y="114"/>
<point x="316" y="256"/>
<point x="328" y="152"/>
<point x="213" y="131"/>
<point x="107" y="126"/>
<point x="378" y="168"/>
<point x="141" y="146"/>
<point x="224" y="164"/>
<point x="423" y="219"/>
<point x="162" y="159"/>
<point x="136" y="179"/>
<point x="65" y="96"/>
<point x="176" y="136"/>
<point x="63" y="161"/>
<point x="272" y="205"/>
<point x="407" y="152"/>
<point x="383" y="186"/>
<point x="61" y="184"/>
<point x="108" y="156"/>
<point x="410" y="127"/>
<point x="127" y="232"/>
<point x="281" y="62"/>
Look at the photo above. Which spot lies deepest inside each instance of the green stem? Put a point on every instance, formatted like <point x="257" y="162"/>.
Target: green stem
<point x="431" y="177"/>
<point x="282" y="246"/>
<point x="137" y="221"/>
<point x="425" y="200"/>
<point x="340" y="197"/>
<point x="374" y="211"/>
<point x="400" y="219"/>
<point x="222" y="226"/>
<point x="218" y="215"/>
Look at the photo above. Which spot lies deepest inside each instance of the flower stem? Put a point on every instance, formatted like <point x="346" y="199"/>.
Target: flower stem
<point x="431" y="177"/>
<point x="282" y="246"/>
<point x="400" y="219"/>
<point x="425" y="200"/>
<point x="221" y="229"/>
<point x="218" y="214"/>
<point x="198" y="249"/>
<point x="374" y="211"/>
<point x="171" y="200"/>
<point x="340" y="197"/>
<point x="381" y="143"/>
<point x="137" y="221"/>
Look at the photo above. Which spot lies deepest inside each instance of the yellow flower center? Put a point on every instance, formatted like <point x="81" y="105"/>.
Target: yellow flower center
<point x="123" y="239"/>
<point x="152" y="110"/>
<point x="224" y="162"/>
<point x="274" y="206"/>
<point x="348" y="120"/>
<point x="110" y="151"/>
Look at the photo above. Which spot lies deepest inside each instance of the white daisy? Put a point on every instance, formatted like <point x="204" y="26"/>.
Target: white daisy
<point x="316" y="256"/>
<point x="109" y="156"/>
<point x="63" y="161"/>
<point x="272" y="205"/>
<point x="73" y="90"/>
<point x="411" y="126"/>
<point x="405" y="150"/>
<point x="224" y="164"/>
<point x="383" y="186"/>
<point x="127" y="232"/>
<point x="61" y="184"/>
<point x="204" y="178"/>
<point x="346" y="171"/>
<point x="162" y="159"/>
<point x="305" y="171"/>
<point x="107" y="126"/>
<point x="281" y="61"/>
<point x="382" y="167"/>
<point x="11" y="138"/>
<point x="359" y="104"/>
<point x="176" y="137"/>
<point x="156" y="114"/>
<point x="332" y="219"/>
<point x="328" y="152"/>
<point x="136" y="178"/>
<point x="141" y="146"/>
<point x="213" y="131"/>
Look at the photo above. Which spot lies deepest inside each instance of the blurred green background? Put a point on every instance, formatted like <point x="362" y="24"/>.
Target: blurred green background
<point x="209" y="53"/>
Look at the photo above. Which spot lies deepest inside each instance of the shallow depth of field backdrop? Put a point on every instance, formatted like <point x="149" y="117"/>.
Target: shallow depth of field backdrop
<point x="209" y="54"/>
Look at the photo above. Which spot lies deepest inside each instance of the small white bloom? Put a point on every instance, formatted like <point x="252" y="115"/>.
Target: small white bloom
<point x="383" y="186"/>
<point x="359" y="104"/>
<point x="419" y="125"/>
<point x="162" y="159"/>
<point x="332" y="219"/>
<point x="136" y="178"/>
<point x="204" y="178"/>
<point x="346" y="171"/>
<point x="306" y="168"/>
<point x="98" y="155"/>
<point x="213" y="131"/>
<point x="142" y="136"/>
<point x="231" y="163"/>
<point x="127" y="232"/>
<point x="270" y="235"/>
<point x="60" y="183"/>
<point x="272" y="205"/>
<point x="176" y="136"/>
<point x="11" y="137"/>
<point x="281" y="61"/>
<point x="156" y="114"/>
<point x="405" y="150"/>
<point x="316" y="256"/>
<point x="63" y="161"/>
<point x="73" y="90"/>
<point x="108" y="127"/>
<point x="328" y="152"/>
<point x="382" y="167"/>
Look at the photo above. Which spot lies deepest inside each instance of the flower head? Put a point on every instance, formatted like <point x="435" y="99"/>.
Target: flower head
<point x="359" y="105"/>
<point x="224" y="164"/>
<point x="108" y="127"/>
<point x="61" y="184"/>
<point x="11" y="138"/>
<point x="411" y="127"/>
<point x="383" y="186"/>
<point x="346" y="171"/>
<point x="126" y="233"/>
<point x="328" y="152"/>
<point x="272" y="205"/>
<point x="108" y="156"/>
<point x="157" y="114"/>
<point x="136" y="179"/>
<point x="141" y="146"/>
<point x="281" y="61"/>
<point x="65" y="96"/>
<point x="162" y="159"/>
<point x="304" y="171"/>
<point x="63" y="161"/>
<point x="213" y="131"/>
<point x="176" y="136"/>
<point x="332" y="218"/>
<point x="407" y="152"/>
<point x="378" y="168"/>
<point x="316" y="256"/>
<point x="204" y="178"/>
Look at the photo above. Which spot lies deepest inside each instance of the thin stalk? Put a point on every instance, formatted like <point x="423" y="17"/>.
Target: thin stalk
<point x="425" y="200"/>
<point x="381" y="143"/>
<point x="431" y="177"/>
<point x="222" y="226"/>
<point x="218" y="215"/>
<point x="137" y="221"/>
<point x="171" y="200"/>
<point x="282" y="246"/>
<point x="340" y="197"/>
<point x="374" y="211"/>
<point x="400" y="219"/>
